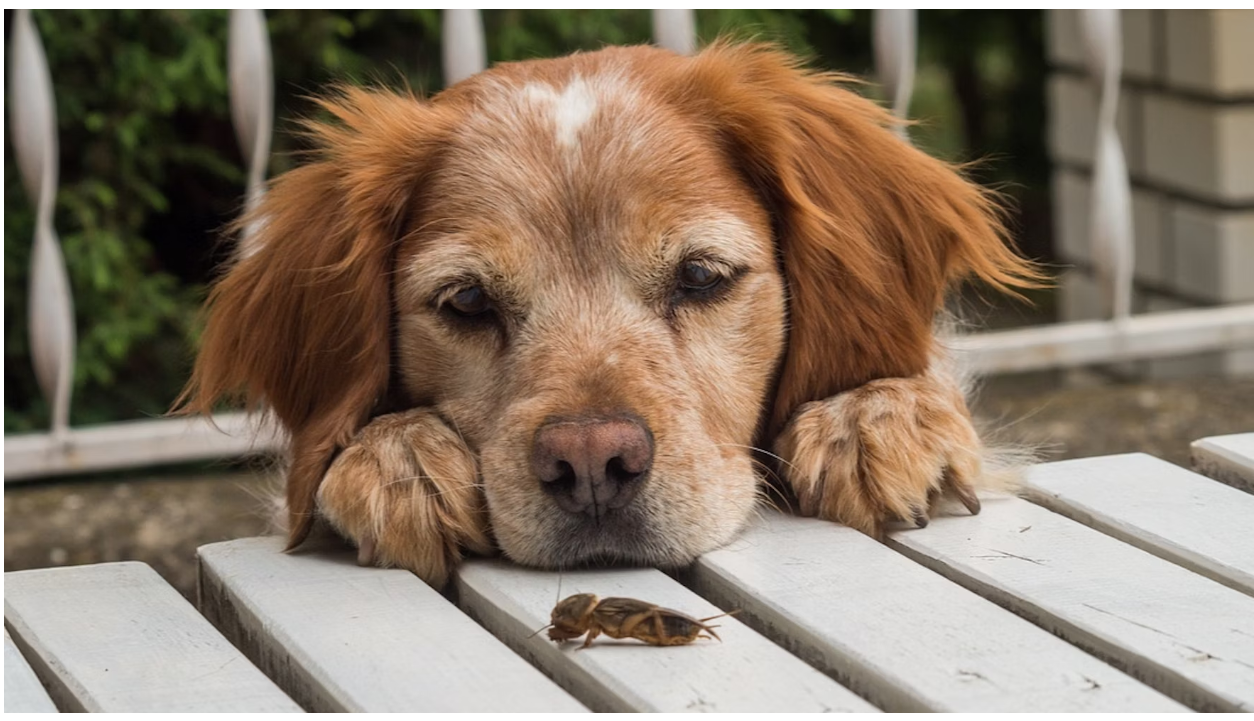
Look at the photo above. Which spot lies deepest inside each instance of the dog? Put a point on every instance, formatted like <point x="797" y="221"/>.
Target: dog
<point x="580" y="310"/>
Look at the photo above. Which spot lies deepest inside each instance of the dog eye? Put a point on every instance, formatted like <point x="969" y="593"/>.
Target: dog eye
<point x="697" y="278"/>
<point x="469" y="302"/>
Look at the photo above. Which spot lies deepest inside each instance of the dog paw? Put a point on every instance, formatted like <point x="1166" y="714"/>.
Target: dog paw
<point x="407" y="493"/>
<point x="886" y="451"/>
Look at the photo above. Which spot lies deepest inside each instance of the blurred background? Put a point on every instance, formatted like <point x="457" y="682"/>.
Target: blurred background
<point x="150" y="170"/>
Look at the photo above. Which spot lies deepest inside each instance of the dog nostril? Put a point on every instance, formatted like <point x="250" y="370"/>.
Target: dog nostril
<point x="563" y="483"/>
<point x="592" y="464"/>
<point x="616" y="471"/>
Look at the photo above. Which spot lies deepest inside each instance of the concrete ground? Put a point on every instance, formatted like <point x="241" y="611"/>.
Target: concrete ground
<point x="162" y="517"/>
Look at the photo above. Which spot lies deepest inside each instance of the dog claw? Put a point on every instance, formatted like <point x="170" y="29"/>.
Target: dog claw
<point x="919" y="517"/>
<point x="969" y="499"/>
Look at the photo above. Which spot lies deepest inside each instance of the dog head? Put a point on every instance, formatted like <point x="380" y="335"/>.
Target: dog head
<point x="613" y="274"/>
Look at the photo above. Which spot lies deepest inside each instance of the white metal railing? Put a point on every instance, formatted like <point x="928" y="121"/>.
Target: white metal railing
<point x="136" y="443"/>
<point x="51" y="315"/>
<point x="252" y="103"/>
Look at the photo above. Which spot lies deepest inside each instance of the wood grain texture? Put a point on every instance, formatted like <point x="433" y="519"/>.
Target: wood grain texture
<point x="744" y="672"/>
<point x="114" y="637"/>
<point x="1185" y="518"/>
<point x="340" y="637"/>
<point x="1184" y="634"/>
<point x="22" y="691"/>
<point x="899" y="634"/>
<point x="1229" y="459"/>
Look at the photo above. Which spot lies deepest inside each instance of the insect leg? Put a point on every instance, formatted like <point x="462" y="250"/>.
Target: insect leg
<point x="593" y="632"/>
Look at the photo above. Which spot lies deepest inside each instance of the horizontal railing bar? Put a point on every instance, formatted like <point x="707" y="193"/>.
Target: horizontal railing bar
<point x="1069" y="345"/>
<point x="133" y="444"/>
<point x="1065" y="345"/>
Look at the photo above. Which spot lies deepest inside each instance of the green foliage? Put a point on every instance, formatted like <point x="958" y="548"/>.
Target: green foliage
<point x="121" y="80"/>
<point x="150" y="169"/>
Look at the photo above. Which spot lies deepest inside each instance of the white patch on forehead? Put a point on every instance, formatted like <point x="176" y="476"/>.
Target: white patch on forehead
<point x="570" y="110"/>
<point x="572" y="107"/>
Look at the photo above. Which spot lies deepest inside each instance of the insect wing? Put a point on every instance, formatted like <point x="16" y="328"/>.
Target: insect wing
<point x="622" y="617"/>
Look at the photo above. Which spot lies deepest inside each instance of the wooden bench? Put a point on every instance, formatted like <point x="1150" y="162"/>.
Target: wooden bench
<point x="1120" y="583"/>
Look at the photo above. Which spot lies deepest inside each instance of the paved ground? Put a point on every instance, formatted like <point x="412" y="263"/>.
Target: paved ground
<point x="160" y="518"/>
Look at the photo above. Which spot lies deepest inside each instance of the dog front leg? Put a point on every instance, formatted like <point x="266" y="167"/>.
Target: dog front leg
<point x="407" y="493"/>
<point x="885" y="451"/>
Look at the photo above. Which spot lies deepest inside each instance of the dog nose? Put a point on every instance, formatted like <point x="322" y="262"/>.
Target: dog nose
<point x="591" y="465"/>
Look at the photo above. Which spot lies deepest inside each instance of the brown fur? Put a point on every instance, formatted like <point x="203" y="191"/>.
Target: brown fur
<point x="302" y="324"/>
<point x="570" y="190"/>
<point x="872" y="229"/>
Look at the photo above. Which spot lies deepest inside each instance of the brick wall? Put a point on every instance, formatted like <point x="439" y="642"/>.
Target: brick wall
<point x="1186" y="119"/>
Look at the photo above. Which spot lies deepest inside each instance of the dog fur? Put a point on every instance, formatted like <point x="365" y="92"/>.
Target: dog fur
<point x="452" y="284"/>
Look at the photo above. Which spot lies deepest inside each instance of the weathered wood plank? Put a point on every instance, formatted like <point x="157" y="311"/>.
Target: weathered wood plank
<point x="22" y="691"/>
<point x="115" y="637"/>
<point x="1182" y="633"/>
<point x="1227" y="458"/>
<point x="339" y="637"/>
<point x="899" y="634"/>
<point x="744" y="672"/>
<point x="1172" y="513"/>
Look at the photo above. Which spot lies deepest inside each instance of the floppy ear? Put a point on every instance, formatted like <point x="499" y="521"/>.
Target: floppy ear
<point x="871" y="230"/>
<point x="302" y="323"/>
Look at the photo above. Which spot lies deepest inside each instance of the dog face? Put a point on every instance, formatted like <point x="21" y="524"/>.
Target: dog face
<point x="612" y="275"/>
<point x="598" y="309"/>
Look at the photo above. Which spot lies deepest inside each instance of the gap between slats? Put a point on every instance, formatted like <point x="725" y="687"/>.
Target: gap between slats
<point x="1137" y="576"/>
<point x="1145" y="485"/>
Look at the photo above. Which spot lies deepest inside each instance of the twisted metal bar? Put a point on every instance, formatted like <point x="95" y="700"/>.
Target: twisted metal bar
<point x="895" y="39"/>
<point x="252" y="104"/>
<point x="33" y="123"/>
<point x="675" y="30"/>
<point x="1110" y="220"/>
<point x="464" y="53"/>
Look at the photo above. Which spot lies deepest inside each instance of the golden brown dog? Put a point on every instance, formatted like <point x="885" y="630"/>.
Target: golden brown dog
<point x="556" y="308"/>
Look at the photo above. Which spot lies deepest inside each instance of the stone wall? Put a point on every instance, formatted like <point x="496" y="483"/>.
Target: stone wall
<point x="1186" y="119"/>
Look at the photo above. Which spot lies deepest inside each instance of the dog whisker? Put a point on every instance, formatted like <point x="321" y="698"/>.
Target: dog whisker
<point x="756" y="449"/>
<point x="444" y="482"/>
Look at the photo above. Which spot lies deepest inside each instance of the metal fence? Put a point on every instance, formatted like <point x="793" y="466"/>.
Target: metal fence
<point x="137" y="443"/>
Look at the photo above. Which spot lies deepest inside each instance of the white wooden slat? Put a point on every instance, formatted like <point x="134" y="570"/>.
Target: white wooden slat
<point x="1229" y="459"/>
<point x="1068" y="345"/>
<point x="1182" y="633"/>
<point x="1172" y="513"/>
<point x="743" y="672"/>
<point x="134" y="444"/>
<point x="899" y="634"/>
<point x="340" y="637"/>
<point x="114" y="637"/>
<point x="22" y="691"/>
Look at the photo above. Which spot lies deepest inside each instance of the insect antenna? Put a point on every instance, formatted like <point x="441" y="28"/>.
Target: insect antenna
<point x="725" y="613"/>
<point x="555" y="602"/>
<point x="538" y="630"/>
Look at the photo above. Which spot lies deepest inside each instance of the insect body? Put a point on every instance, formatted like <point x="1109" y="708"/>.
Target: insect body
<point x="625" y="618"/>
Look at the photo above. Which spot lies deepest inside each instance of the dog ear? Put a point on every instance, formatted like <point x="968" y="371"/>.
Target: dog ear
<point x="870" y="230"/>
<point x="302" y="322"/>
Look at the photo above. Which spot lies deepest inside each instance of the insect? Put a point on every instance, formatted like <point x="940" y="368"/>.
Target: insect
<point x="584" y="613"/>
